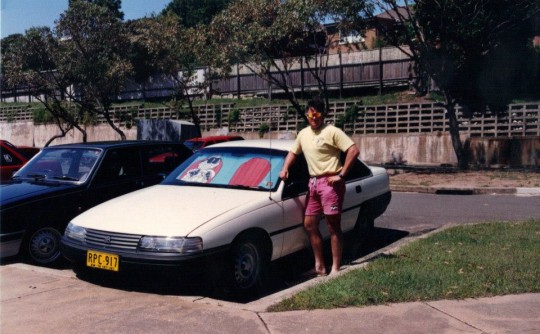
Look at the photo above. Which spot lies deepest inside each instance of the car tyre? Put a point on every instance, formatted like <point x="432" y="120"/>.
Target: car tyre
<point x="42" y="246"/>
<point x="247" y="266"/>
<point x="364" y="226"/>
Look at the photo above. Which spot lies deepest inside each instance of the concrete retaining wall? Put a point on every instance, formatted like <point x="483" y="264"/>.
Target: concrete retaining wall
<point x="430" y="148"/>
<point x="26" y="133"/>
<point x="423" y="148"/>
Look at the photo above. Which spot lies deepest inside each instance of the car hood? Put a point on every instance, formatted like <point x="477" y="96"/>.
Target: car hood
<point x="15" y="192"/>
<point x="166" y="210"/>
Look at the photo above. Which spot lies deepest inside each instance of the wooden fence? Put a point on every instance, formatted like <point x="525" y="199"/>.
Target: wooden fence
<point x="344" y="72"/>
<point x="340" y="78"/>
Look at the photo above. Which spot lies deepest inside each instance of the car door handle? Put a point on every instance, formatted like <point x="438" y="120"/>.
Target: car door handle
<point x="358" y="189"/>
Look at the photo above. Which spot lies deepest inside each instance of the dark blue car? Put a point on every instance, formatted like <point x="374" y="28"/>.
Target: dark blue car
<point x="62" y="181"/>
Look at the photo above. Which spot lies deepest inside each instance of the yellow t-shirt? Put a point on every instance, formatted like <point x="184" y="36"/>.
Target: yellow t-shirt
<point x="322" y="148"/>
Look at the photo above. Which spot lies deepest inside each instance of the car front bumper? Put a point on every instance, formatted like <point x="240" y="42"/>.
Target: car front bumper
<point x="10" y="244"/>
<point x="77" y="254"/>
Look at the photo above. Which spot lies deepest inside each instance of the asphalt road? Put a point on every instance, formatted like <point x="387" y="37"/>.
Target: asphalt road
<point x="416" y="212"/>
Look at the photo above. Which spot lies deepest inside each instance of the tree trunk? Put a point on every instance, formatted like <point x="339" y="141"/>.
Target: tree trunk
<point x="454" y="135"/>
<point x="62" y="134"/>
<point x="115" y="128"/>
<point x="194" y="115"/>
<point x="83" y="132"/>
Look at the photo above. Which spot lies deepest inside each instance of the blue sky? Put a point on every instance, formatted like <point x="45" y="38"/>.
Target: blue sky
<point x="19" y="15"/>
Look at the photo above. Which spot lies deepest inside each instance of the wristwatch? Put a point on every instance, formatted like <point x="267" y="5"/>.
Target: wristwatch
<point x="340" y="175"/>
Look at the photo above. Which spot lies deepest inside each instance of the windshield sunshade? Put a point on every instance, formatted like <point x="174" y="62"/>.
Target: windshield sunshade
<point x="231" y="167"/>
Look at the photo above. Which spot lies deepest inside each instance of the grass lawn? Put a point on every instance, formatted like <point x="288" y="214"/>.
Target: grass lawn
<point x="460" y="262"/>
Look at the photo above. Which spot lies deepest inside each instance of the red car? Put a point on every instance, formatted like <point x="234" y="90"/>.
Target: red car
<point x="13" y="157"/>
<point x="196" y="144"/>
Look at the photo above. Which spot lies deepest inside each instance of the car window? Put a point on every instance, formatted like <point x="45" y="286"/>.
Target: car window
<point x="358" y="170"/>
<point x="298" y="172"/>
<point x="62" y="164"/>
<point x="161" y="159"/>
<point x="120" y="164"/>
<point x="230" y="167"/>
<point x="8" y="159"/>
<point x="297" y="182"/>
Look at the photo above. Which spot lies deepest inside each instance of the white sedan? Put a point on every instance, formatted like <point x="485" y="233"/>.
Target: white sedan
<point x="226" y="202"/>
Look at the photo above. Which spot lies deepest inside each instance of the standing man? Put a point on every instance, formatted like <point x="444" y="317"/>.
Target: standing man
<point x="322" y="146"/>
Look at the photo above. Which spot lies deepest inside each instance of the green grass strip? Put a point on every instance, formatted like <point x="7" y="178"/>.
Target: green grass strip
<point x="461" y="262"/>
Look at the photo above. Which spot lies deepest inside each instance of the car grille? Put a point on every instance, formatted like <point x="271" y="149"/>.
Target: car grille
<point x="112" y="240"/>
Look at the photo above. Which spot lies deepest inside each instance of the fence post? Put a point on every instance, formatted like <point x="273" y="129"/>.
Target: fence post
<point x="340" y="74"/>
<point x="302" y="82"/>
<point x="238" y="89"/>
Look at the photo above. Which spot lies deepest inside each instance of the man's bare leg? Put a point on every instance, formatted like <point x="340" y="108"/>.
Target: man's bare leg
<point x="311" y="224"/>
<point x="336" y="241"/>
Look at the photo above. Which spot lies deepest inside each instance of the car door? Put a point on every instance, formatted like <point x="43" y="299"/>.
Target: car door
<point x="294" y="203"/>
<point x="354" y="195"/>
<point x="120" y="172"/>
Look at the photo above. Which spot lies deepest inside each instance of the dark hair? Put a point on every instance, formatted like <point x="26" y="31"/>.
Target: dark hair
<point x="318" y="104"/>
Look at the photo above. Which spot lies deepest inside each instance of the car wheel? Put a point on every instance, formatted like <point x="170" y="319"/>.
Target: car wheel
<point x="248" y="265"/>
<point x="43" y="246"/>
<point x="364" y="226"/>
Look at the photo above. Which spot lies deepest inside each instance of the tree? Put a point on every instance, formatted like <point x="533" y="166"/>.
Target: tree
<point x="273" y="39"/>
<point x="77" y="70"/>
<point x="8" y="46"/>
<point x="31" y="62"/>
<point x="460" y="45"/>
<point x="192" y="13"/>
<point x="161" y="45"/>
<point x="111" y="5"/>
<point x="93" y="53"/>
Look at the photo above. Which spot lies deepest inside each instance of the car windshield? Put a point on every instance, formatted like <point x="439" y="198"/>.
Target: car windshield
<point x="230" y="167"/>
<point x="61" y="164"/>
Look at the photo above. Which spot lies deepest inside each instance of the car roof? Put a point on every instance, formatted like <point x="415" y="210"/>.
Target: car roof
<point x="119" y="143"/>
<point x="7" y="143"/>
<point x="215" y="138"/>
<point x="278" y="144"/>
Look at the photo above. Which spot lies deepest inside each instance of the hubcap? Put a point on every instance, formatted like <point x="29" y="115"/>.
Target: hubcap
<point x="44" y="245"/>
<point x="246" y="266"/>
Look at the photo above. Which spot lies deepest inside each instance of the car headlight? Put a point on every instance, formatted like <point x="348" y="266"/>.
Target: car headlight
<point x="75" y="232"/>
<point x="171" y="244"/>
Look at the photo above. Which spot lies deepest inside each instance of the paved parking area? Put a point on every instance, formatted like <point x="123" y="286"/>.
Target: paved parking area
<point x="40" y="300"/>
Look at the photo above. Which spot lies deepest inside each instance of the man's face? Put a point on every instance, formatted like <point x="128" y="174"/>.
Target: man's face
<point x="315" y="118"/>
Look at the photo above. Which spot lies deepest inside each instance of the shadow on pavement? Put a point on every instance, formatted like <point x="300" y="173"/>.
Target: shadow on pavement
<point x="283" y="274"/>
<point x="61" y="264"/>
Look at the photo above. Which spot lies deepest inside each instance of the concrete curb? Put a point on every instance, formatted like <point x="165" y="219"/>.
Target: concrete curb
<point x="466" y="190"/>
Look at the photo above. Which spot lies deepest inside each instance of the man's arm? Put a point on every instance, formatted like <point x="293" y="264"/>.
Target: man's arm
<point x="352" y="154"/>
<point x="289" y="160"/>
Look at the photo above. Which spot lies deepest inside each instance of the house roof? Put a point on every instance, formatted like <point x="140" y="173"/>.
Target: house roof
<point x="395" y="14"/>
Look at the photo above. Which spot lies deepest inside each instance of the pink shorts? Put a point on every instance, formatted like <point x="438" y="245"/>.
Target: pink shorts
<point x="324" y="198"/>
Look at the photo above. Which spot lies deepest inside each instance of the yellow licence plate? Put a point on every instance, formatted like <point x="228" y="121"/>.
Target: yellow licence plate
<point x="102" y="260"/>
